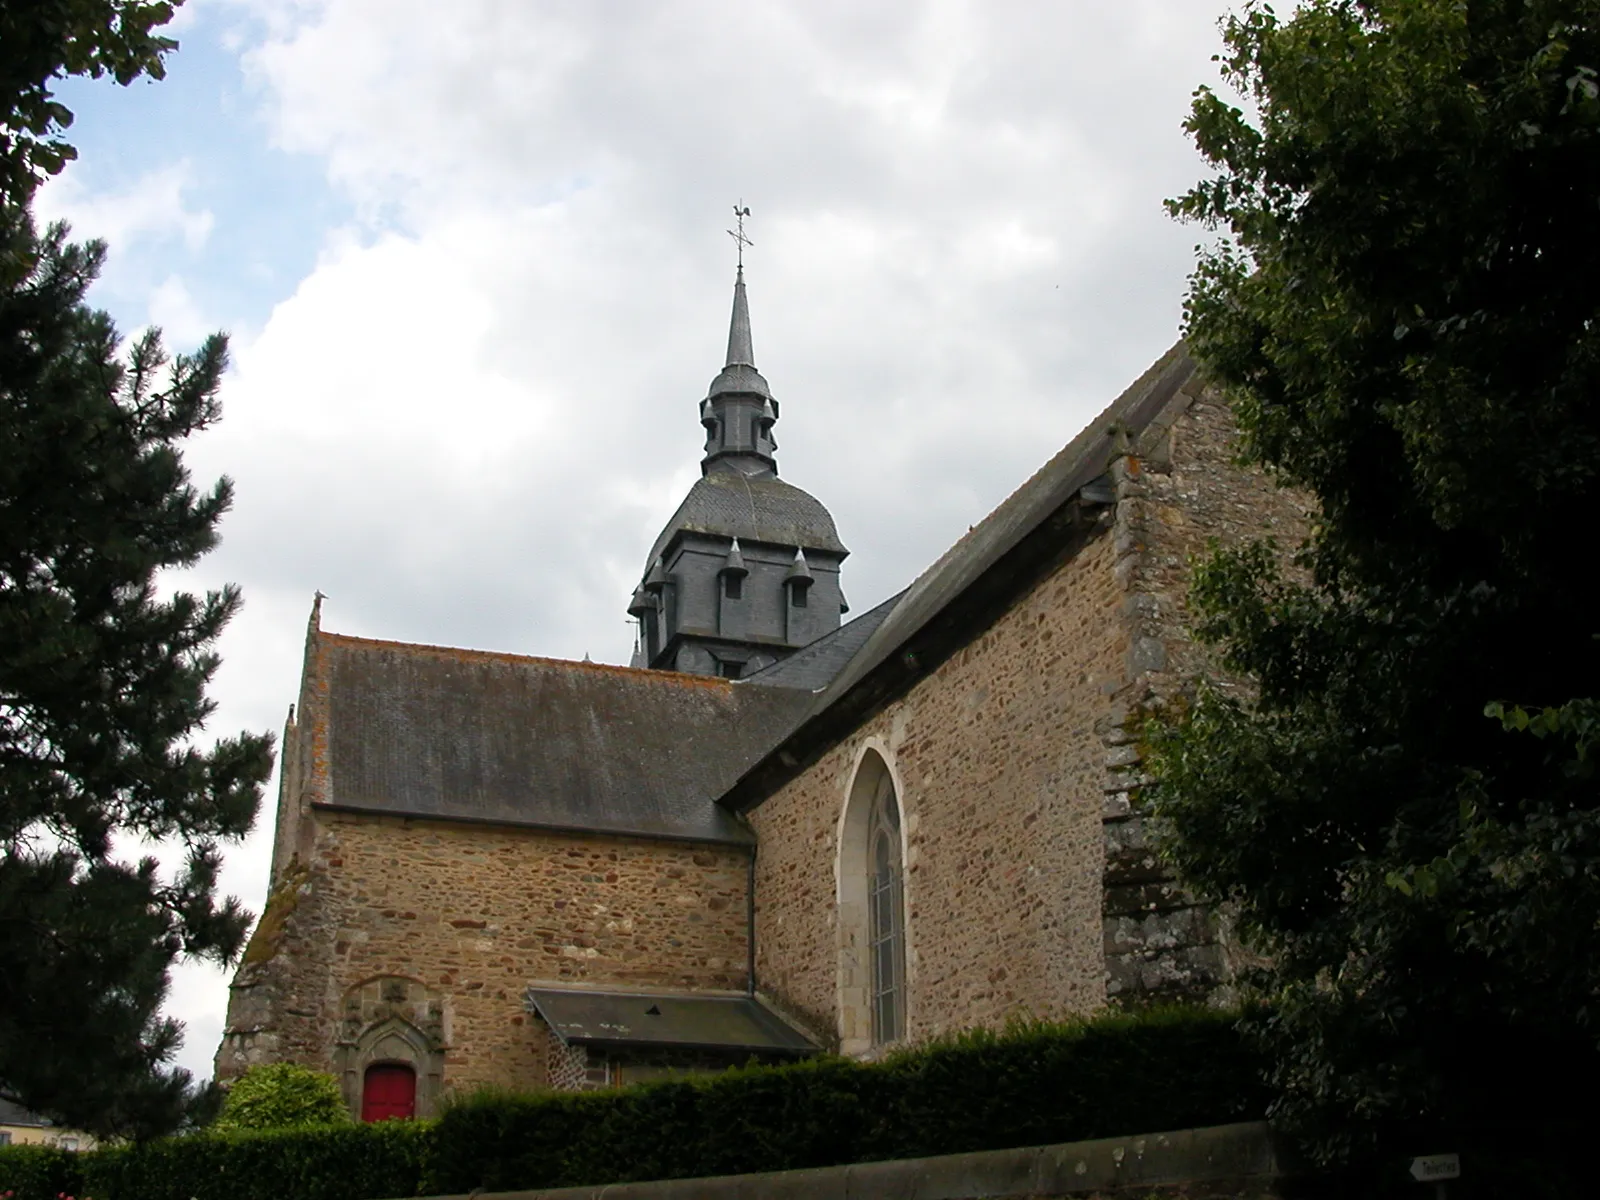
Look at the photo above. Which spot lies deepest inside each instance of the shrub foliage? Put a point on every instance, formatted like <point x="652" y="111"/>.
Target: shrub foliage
<point x="1032" y="1084"/>
<point x="281" y="1096"/>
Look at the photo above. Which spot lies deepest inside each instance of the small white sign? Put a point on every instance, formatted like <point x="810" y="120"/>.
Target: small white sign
<point x="1430" y="1167"/>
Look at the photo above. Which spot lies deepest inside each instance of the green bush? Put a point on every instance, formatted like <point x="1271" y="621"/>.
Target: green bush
<point x="281" y="1096"/>
<point x="1031" y="1085"/>
<point x="355" y="1162"/>
<point x="39" y="1173"/>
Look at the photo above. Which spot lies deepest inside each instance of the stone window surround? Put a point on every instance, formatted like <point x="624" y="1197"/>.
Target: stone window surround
<point x="850" y="873"/>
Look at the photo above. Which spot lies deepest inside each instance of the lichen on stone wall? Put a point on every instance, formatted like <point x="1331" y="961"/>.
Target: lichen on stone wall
<point x="284" y="898"/>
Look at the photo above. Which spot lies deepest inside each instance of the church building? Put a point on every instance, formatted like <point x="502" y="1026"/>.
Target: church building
<point x="779" y="832"/>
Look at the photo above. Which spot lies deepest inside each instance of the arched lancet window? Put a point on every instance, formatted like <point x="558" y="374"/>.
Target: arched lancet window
<point x="886" y="922"/>
<point x="872" y="923"/>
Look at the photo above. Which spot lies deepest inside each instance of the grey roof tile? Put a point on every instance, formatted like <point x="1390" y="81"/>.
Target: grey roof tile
<point x="666" y="1020"/>
<point x="469" y="735"/>
<point x="12" y="1113"/>
<point x="815" y="665"/>
<point x="728" y="504"/>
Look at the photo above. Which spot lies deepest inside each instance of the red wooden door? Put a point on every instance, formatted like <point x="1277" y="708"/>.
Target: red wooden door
<point x="389" y="1090"/>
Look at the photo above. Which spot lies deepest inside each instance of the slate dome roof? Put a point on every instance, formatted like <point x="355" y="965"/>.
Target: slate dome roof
<point x="740" y="378"/>
<point x="758" y="509"/>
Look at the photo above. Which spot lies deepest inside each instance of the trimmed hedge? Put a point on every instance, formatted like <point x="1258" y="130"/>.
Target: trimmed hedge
<point x="1034" y="1084"/>
<point x="1030" y="1085"/>
<point x="351" y="1162"/>
<point x="39" y="1172"/>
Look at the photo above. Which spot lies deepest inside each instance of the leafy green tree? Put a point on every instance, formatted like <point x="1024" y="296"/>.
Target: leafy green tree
<point x="102" y="694"/>
<point x="42" y="41"/>
<point x="1403" y="309"/>
<point x="281" y="1095"/>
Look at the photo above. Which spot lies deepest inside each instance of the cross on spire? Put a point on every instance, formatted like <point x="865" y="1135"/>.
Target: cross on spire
<point x="740" y="212"/>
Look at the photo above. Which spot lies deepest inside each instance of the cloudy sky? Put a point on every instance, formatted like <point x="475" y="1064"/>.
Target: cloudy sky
<point x="474" y="263"/>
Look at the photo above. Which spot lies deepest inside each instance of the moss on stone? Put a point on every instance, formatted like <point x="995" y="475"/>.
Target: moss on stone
<point x="281" y="903"/>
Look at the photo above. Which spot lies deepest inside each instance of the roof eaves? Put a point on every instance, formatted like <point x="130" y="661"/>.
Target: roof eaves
<point x="738" y="834"/>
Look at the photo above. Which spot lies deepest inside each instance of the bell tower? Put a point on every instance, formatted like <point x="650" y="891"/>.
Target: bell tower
<point x="747" y="570"/>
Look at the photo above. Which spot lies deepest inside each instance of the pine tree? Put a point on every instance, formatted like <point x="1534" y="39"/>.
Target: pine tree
<point x="103" y="696"/>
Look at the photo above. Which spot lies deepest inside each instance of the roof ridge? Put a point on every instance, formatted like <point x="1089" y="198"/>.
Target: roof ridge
<point x="434" y="650"/>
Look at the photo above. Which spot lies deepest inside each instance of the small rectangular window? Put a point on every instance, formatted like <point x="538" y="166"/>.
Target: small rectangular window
<point x="733" y="587"/>
<point x="797" y="596"/>
<point x="5" y="1137"/>
<point x="729" y="670"/>
<point x="755" y="430"/>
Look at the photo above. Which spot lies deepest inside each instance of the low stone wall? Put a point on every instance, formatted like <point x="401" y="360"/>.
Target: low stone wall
<point x="1223" y="1162"/>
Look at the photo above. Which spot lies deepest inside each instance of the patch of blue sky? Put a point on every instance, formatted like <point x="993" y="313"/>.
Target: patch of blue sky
<point x="269" y="210"/>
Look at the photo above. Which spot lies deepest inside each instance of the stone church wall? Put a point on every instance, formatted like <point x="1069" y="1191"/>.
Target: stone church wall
<point x="1179" y="491"/>
<point x="1031" y="884"/>
<point x="998" y="765"/>
<point x="432" y="931"/>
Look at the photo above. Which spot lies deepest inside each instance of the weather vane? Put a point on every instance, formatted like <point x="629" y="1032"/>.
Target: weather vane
<point x="740" y="212"/>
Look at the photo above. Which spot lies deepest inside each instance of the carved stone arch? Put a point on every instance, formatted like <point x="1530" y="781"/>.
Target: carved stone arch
<point x="393" y="1019"/>
<point x="871" y="898"/>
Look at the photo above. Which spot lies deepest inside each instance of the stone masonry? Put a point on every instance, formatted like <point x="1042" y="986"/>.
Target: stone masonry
<point x="998" y="769"/>
<point x="1031" y="886"/>
<point x="1179" y="491"/>
<point x="471" y="915"/>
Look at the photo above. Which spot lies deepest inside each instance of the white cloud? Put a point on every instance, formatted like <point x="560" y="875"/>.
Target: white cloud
<point x="469" y="421"/>
<point x="175" y="311"/>
<point x="152" y="207"/>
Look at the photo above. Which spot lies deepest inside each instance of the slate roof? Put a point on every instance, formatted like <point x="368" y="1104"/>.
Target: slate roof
<point x="12" y="1113"/>
<point x="468" y="735"/>
<point x="739" y="378"/>
<point x="814" y="666"/>
<point x="972" y="583"/>
<point x="762" y="509"/>
<point x="666" y="1020"/>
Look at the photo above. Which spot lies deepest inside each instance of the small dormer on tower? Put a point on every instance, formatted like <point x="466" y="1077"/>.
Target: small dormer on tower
<point x="747" y="570"/>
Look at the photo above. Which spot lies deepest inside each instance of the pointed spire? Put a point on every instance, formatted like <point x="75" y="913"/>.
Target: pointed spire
<point x="734" y="563"/>
<point x="740" y="353"/>
<point x="739" y="436"/>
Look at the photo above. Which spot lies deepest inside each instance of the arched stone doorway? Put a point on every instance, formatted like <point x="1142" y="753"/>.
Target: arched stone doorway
<point x="395" y="1023"/>
<point x="872" y="908"/>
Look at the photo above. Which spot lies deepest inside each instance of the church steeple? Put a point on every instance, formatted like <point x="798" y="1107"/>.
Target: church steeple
<point x="747" y="570"/>
<point x="739" y="411"/>
<point x="740" y="352"/>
